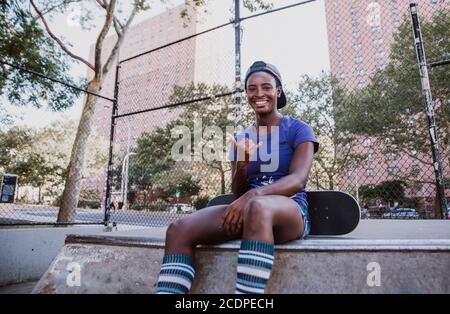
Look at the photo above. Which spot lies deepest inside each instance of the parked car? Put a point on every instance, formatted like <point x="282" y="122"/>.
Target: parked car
<point x="180" y="208"/>
<point x="402" y="213"/>
<point x="365" y="213"/>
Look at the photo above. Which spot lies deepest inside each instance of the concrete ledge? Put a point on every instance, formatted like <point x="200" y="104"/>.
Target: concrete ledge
<point x="121" y="264"/>
<point x="26" y="253"/>
<point x="312" y="244"/>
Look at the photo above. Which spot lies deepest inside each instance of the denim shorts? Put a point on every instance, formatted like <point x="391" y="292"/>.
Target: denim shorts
<point x="306" y="220"/>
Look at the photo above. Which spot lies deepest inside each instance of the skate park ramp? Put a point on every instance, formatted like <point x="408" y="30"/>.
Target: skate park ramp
<point x="389" y="257"/>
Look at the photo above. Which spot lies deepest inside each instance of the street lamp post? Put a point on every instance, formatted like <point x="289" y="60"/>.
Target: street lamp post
<point x="125" y="179"/>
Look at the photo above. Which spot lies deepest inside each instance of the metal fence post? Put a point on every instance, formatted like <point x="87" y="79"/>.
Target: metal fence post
<point x="238" y="83"/>
<point x="114" y="111"/>
<point x="429" y="108"/>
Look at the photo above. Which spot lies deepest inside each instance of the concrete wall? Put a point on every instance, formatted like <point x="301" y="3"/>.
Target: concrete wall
<point x="26" y="253"/>
<point x="124" y="265"/>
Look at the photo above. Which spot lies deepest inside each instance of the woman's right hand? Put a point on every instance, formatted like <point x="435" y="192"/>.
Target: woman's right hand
<point x="233" y="217"/>
<point x="245" y="149"/>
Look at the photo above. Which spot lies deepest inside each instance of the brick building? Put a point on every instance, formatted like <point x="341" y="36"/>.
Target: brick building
<point x="360" y="34"/>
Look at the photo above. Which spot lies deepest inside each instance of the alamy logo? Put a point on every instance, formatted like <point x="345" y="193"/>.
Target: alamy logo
<point x="374" y="276"/>
<point x="73" y="279"/>
<point x="207" y="144"/>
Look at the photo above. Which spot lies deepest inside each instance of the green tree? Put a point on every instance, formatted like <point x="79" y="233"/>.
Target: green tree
<point x="153" y="166"/>
<point x="40" y="156"/>
<point x="19" y="156"/>
<point x="390" y="106"/>
<point x="319" y="102"/>
<point x="184" y="184"/>
<point x="25" y="43"/>
<point x="100" y="68"/>
<point x="152" y="157"/>
<point x="114" y="16"/>
<point x="388" y="191"/>
<point x="214" y="113"/>
<point x="12" y="142"/>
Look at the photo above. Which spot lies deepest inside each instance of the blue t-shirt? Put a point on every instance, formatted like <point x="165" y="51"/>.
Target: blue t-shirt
<point x="272" y="160"/>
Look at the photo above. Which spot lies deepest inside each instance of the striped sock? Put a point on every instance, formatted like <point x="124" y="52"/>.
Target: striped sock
<point x="254" y="266"/>
<point x="176" y="274"/>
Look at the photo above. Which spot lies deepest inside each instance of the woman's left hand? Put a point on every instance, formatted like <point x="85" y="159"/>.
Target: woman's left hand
<point x="233" y="216"/>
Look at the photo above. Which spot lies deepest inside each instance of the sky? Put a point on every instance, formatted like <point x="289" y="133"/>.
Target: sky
<point x="295" y="40"/>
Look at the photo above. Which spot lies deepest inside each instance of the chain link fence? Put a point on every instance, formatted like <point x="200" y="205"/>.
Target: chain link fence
<point x="364" y="104"/>
<point x="178" y="90"/>
<point x="366" y="109"/>
<point x="34" y="163"/>
<point x="383" y="148"/>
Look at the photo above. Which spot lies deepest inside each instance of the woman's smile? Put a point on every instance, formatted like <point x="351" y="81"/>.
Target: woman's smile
<point x="261" y="103"/>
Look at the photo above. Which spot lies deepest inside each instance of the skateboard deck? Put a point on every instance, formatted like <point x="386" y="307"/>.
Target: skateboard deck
<point x="331" y="212"/>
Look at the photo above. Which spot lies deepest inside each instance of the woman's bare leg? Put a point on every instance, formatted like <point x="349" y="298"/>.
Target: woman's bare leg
<point x="202" y="227"/>
<point x="272" y="219"/>
<point x="267" y="220"/>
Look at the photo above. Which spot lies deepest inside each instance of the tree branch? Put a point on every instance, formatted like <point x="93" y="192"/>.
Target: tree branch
<point x="116" y="22"/>
<point x="60" y="43"/>
<point x="101" y="39"/>
<point x="119" y="41"/>
<point x="47" y="10"/>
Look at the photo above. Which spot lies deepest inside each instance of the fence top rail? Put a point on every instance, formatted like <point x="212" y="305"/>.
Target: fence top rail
<point x="214" y="28"/>
<point x="54" y="80"/>
<point x="277" y="9"/>
<point x="173" y="105"/>
<point x="176" y="42"/>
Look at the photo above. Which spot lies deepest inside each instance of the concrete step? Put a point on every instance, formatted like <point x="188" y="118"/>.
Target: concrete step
<point x="18" y="288"/>
<point x="130" y="264"/>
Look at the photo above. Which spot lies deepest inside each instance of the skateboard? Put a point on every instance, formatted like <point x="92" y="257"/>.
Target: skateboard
<point x="331" y="212"/>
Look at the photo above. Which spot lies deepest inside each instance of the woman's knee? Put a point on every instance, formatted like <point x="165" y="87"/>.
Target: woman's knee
<point x="177" y="232"/>
<point x="257" y="214"/>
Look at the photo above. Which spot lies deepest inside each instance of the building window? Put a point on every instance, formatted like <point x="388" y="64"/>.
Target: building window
<point x="415" y="170"/>
<point x="391" y="156"/>
<point x="369" y="159"/>
<point x="367" y="142"/>
<point x="378" y="42"/>
<point x="380" y="55"/>
<point x="410" y="122"/>
<point x="376" y="29"/>
<point x="416" y="187"/>
<point x="393" y="170"/>
<point x="349" y="173"/>
<point x="369" y="173"/>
